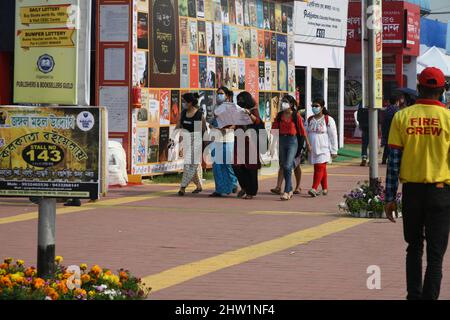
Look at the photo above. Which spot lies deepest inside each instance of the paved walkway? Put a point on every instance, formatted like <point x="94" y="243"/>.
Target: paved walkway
<point x="198" y="247"/>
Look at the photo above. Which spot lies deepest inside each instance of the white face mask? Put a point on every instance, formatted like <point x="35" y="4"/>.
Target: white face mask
<point x="285" y="106"/>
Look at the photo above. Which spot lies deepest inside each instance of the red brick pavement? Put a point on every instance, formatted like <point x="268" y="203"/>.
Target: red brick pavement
<point x="153" y="235"/>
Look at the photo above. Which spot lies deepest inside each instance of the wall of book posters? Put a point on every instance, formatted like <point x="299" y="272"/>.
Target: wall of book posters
<point x="183" y="46"/>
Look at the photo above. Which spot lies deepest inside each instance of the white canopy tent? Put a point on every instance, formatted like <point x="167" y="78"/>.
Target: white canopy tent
<point x="434" y="57"/>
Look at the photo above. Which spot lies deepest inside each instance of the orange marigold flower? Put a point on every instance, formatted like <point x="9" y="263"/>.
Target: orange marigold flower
<point x="5" y="281"/>
<point x="51" y="293"/>
<point x="79" y="292"/>
<point x="30" y="272"/>
<point x="96" y="270"/>
<point x="123" y="275"/>
<point x="38" y="283"/>
<point x="4" y="266"/>
<point x="85" y="278"/>
<point x="62" y="287"/>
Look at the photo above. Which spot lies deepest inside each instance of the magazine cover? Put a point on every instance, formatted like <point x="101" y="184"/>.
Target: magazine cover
<point x="232" y="11"/>
<point x="267" y="43"/>
<point x="226" y="40"/>
<point x="219" y="72"/>
<point x="211" y="68"/>
<point x="241" y="74"/>
<point x="239" y="12"/>
<point x="227" y="73"/>
<point x="164" y="143"/>
<point x="153" y="107"/>
<point x="193" y="38"/>
<point x="225" y="11"/>
<point x="233" y="41"/>
<point x="164" y="107"/>
<point x="253" y="13"/>
<point x="254" y="43"/>
<point x="261" y="50"/>
<point x="201" y="9"/>
<point x="175" y="106"/>
<point x="262" y="106"/>
<point x="201" y="37"/>
<point x="184" y="34"/>
<point x="274" y="76"/>
<point x="261" y="76"/>
<point x="203" y="72"/>
<point x="142" y="68"/>
<point x="282" y="62"/>
<point x="218" y="39"/>
<point x="210" y="38"/>
<point x="192" y="8"/>
<point x="142" y="30"/>
<point x="182" y="8"/>
<point x="278" y="23"/>
<point x="141" y="145"/>
<point x="194" y="73"/>
<point x="184" y="60"/>
<point x="268" y="82"/>
<point x="260" y="12"/>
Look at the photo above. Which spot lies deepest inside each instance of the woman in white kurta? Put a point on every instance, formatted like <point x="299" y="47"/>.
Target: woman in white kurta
<point x="322" y="135"/>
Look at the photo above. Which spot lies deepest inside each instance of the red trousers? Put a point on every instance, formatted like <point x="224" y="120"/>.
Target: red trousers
<point x="320" y="176"/>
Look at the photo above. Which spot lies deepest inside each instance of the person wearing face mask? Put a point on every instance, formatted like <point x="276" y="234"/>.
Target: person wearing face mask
<point x="291" y="134"/>
<point x="322" y="135"/>
<point x="222" y="151"/>
<point x="192" y="120"/>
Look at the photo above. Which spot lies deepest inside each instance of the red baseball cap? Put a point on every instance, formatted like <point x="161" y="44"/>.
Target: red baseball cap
<point x="432" y="77"/>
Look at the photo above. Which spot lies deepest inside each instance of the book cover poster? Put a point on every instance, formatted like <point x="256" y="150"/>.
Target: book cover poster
<point x="268" y="106"/>
<point x="142" y="68"/>
<point x="142" y="5"/>
<point x="239" y="12"/>
<point x="291" y="51"/>
<point x="274" y="106"/>
<point x="209" y="10"/>
<point x="261" y="52"/>
<point x="282" y="62"/>
<point x="226" y="40"/>
<point x="254" y="43"/>
<point x="183" y="8"/>
<point x="142" y="30"/>
<point x="219" y="72"/>
<point x="217" y="10"/>
<point x="142" y="145"/>
<point x="225" y="11"/>
<point x="194" y="71"/>
<point x="234" y="73"/>
<point x="251" y="78"/>
<point x="266" y="15"/>
<point x="201" y="9"/>
<point x="164" y="107"/>
<point x="262" y="106"/>
<point x="261" y="76"/>
<point x="203" y="72"/>
<point x="227" y="73"/>
<point x="192" y="8"/>
<point x="273" y="47"/>
<point x="241" y="42"/>
<point x="241" y="74"/>
<point x="284" y="18"/>
<point x="218" y="39"/>
<point x="232" y="11"/>
<point x="272" y="15"/>
<point x="260" y="13"/>
<point x="153" y="107"/>
<point x="210" y="38"/>
<point x="153" y="145"/>
<point x="245" y="7"/>
<point x="207" y="103"/>
<point x="290" y="19"/>
<point x="174" y="146"/>
<point x="193" y="36"/>
<point x="274" y="75"/>
<point x="164" y="133"/>
<point x="175" y="106"/>
<point x="142" y="116"/>
<point x="278" y="21"/>
<point x="268" y="73"/>
<point x="233" y="41"/>
<point x="165" y="66"/>
<point x="201" y="37"/>
<point x="247" y="43"/>
<point x="253" y="13"/>
<point x="291" y="78"/>
<point x="267" y="43"/>
<point x="184" y="35"/>
<point x="184" y="60"/>
<point x="211" y="76"/>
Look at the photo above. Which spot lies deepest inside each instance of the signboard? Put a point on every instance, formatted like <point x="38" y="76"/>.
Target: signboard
<point x="52" y="152"/>
<point x="46" y="52"/>
<point x="321" y="21"/>
<point x="393" y="24"/>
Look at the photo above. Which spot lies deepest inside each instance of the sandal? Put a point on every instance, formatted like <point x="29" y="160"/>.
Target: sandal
<point x="313" y="193"/>
<point x="197" y="191"/>
<point x="285" y="196"/>
<point x="241" y="194"/>
<point x="325" y="192"/>
<point x="181" y="192"/>
<point x="298" y="191"/>
<point x="276" y="190"/>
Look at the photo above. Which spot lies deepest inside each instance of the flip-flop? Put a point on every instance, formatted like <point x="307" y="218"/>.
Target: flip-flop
<point x="298" y="191"/>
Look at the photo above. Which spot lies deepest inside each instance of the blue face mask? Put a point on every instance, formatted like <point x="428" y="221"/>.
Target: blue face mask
<point x="316" y="110"/>
<point x="220" y="98"/>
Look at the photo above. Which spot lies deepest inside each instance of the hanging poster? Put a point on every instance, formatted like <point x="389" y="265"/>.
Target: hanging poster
<point x="217" y="10"/>
<point x="239" y="12"/>
<point x="193" y="36"/>
<point x="165" y="49"/>
<point x="261" y="76"/>
<point x="142" y="116"/>
<point x="234" y="73"/>
<point x="227" y="73"/>
<point x="273" y="47"/>
<point x="274" y="76"/>
<point x="210" y="38"/>
<point x="194" y="71"/>
<point x="206" y="103"/>
<point x="254" y="43"/>
<point x="201" y="37"/>
<point x="164" y="107"/>
<point x="182" y="8"/>
<point x="241" y="42"/>
<point x="262" y="106"/>
<point x="175" y="106"/>
<point x="267" y="43"/>
<point x="233" y="41"/>
<point x="218" y="40"/>
<point x="246" y="11"/>
<point x="284" y="18"/>
<point x="153" y="145"/>
<point x="164" y="144"/>
<point x="247" y="43"/>
<point x="201" y="9"/>
<point x="251" y="78"/>
<point x="226" y="40"/>
<point x="291" y="78"/>
<point x="184" y="35"/>
<point x="260" y="12"/>
<point x="219" y="72"/>
<point x="203" y="71"/>
<point x="278" y="16"/>
<point x="261" y="50"/>
<point x="211" y="69"/>
<point x="184" y="60"/>
<point x="153" y="107"/>
<point x="142" y="145"/>
<point x="253" y="13"/>
<point x="272" y="16"/>
<point x="192" y="8"/>
<point x="282" y="63"/>
<point x="274" y="105"/>
<point x="291" y="51"/>
<point x="232" y="11"/>
<point x="241" y="74"/>
<point x="290" y="19"/>
<point x="268" y="106"/>
<point x="268" y="82"/>
<point x="209" y="10"/>
<point x="174" y="146"/>
<point x="266" y="15"/>
<point x="142" y="67"/>
<point x="225" y="11"/>
<point x="142" y="30"/>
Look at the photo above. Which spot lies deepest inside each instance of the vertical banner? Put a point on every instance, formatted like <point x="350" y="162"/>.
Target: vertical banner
<point x="376" y="46"/>
<point x="165" y="53"/>
<point x="46" y="52"/>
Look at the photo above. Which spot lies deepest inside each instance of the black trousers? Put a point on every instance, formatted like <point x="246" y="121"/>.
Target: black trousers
<point x="385" y="153"/>
<point x="248" y="179"/>
<point x="364" y="142"/>
<point x="426" y="216"/>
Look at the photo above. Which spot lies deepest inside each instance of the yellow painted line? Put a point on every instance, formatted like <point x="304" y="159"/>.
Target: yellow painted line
<point x="291" y="213"/>
<point x="186" y="272"/>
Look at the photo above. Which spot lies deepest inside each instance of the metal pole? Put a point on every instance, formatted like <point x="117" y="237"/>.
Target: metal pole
<point x="46" y="238"/>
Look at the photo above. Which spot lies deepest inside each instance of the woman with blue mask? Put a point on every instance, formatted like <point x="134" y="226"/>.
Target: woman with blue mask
<point x="223" y="148"/>
<point x="322" y="135"/>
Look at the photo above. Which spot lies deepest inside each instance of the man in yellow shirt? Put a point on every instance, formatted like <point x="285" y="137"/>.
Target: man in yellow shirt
<point x="419" y="140"/>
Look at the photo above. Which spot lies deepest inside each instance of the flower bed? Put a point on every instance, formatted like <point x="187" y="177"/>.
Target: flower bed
<point x="18" y="282"/>
<point x="363" y="202"/>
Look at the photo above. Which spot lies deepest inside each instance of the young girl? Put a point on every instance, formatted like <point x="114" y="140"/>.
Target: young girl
<point x="322" y="134"/>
